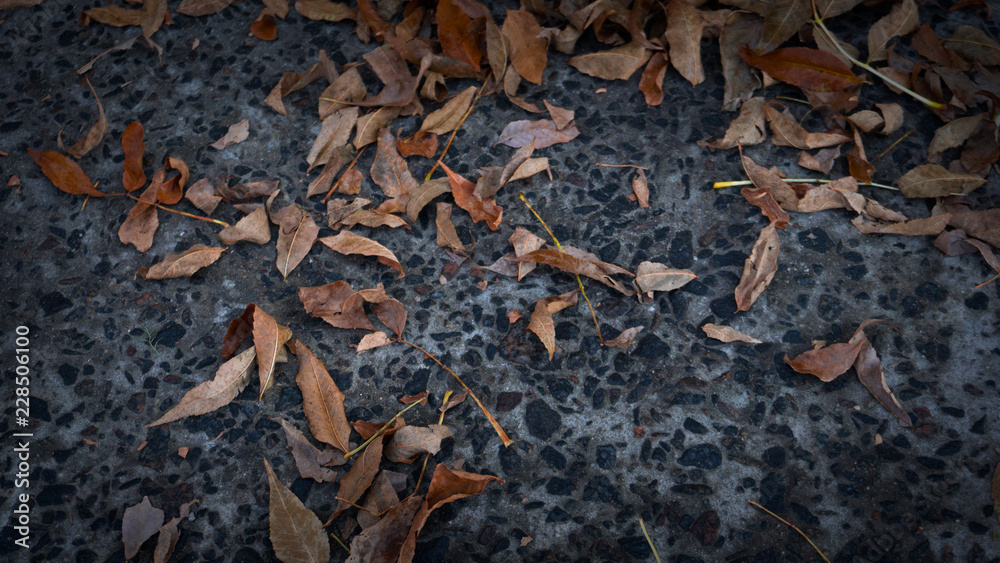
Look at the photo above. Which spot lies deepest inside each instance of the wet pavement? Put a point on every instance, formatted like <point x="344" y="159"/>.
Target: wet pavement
<point x="679" y="429"/>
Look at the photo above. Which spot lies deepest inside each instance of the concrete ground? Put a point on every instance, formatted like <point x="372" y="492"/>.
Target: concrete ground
<point x="679" y="430"/>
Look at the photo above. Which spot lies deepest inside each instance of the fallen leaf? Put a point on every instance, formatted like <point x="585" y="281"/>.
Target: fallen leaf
<point x="447" y="237"/>
<point x="264" y="27"/>
<point x="527" y="47"/>
<point x="933" y="180"/>
<point x="983" y="225"/>
<point x="448" y="118"/>
<point x="133" y="176"/>
<point x="857" y="161"/>
<point x="341" y="93"/>
<point x="267" y="341"/>
<point x="230" y="380"/>
<point x="497" y="51"/>
<point x="640" y="187"/>
<point x="782" y="20"/>
<point x="347" y="243"/>
<point x="892" y="115"/>
<point x="543" y="133"/>
<point x="869" y="370"/>
<point x="575" y="261"/>
<point x="253" y="227"/>
<point x="11" y="4"/>
<point x="424" y="194"/>
<point x="172" y="190"/>
<point x="727" y="334"/>
<point x="182" y="264"/>
<point x="806" y="68"/>
<point x="153" y="12"/>
<point x="399" y="86"/>
<point x="828" y="362"/>
<point x="322" y="401"/>
<point x="296" y="234"/>
<point x="685" y="25"/>
<point x="410" y="441"/>
<point x="511" y="82"/>
<point x="759" y="269"/>
<point x="541" y="318"/>
<point x="237" y="133"/>
<point x="388" y="310"/>
<point x="421" y="143"/>
<point x="295" y="531"/>
<point x="335" y="133"/>
<point x="980" y="152"/>
<point x="974" y="44"/>
<point x="117" y="16"/>
<point x="747" y="129"/>
<point x="741" y="30"/>
<point x="459" y="37"/>
<point x="822" y="161"/>
<point x="308" y="458"/>
<point x="141" y="223"/>
<point x="390" y="172"/>
<point x="327" y="303"/>
<point x="293" y="81"/>
<point x="369" y="429"/>
<point x="139" y="523"/>
<point x="479" y="209"/>
<point x="196" y="8"/>
<point x="524" y="242"/>
<point x="901" y="20"/>
<point x="447" y="485"/>
<point x="651" y="81"/>
<point x="454" y="401"/>
<point x="169" y="534"/>
<point x="372" y="340"/>
<point x="625" y="338"/>
<point x="383" y="540"/>
<point x="96" y="133"/>
<point x="358" y="478"/>
<point x="619" y="63"/>
<point x="249" y="190"/>
<point x="788" y="133"/>
<point x="365" y="217"/>
<point x="64" y="173"/>
<point x="914" y="227"/>
<point x="762" y="195"/>
<point x="653" y="276"/>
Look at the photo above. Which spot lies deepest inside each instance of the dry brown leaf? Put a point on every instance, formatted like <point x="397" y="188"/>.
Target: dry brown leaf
<point x="335" y="133"/>
<point x="531" y="167"/>
<point x="238" y="331"/>
<point x="292" y="81"/>
<point x="153" y="13"/>
<point x="390" y="172"/>
<point x="383" y="539"/>
<point x="423" y="194"/>
<point x="975" y="44"/>
<point x="139" y="523"/>
<point x="182" y="264"/>
<point x="308" y="458"/>
<point x="322" y="401"/>
<point x="388" y="310"/>
<point x="624" y="339"/>
<point x="479" y="209"/>
<point x="237" y="133"/>
<point x="64" y="173"/>
<point x="951" y="135"/>
<point x="410" y="441"/>
<point x="399" y="86"/>
<point x="133" y="177"/>
<point x="741" y="30"/>
<point x="169" y="534"/>
<point x="447" y="236"/>
<point x="341" y="93"/>
<point x="685" y="25"/>
<point x="782" y="20"/>
<point x="368" y="429"/>
<point x="93" y="137"/>
<point x="640" y="187"/>
<point x="141" y="223"/>
<point x="541" y="318"/>
<point x="249" y="190"/>
<point x="763" y="198"/>
<point x="347" y="243"/>
<point x="526" y="46"/>
<point x="983" y="225"/>
<point x="230" y="380"/>
<point x="117" y="16"/>
<point x="822" y="161"/>
<point x="727" y="334"/>
<point x="497" y="51"/>
<point x="296" y="234"/>
<point x="747" y="129"/>
<point x="933" y="180"/>
<point x="619" y="63"/>
<point x="358" y="478"/>
<point x="866" y="120"/>
<point x="651" y="81"/>
<point x="421" y="143"/>
<point x="11" y="4"/>
<point x="524" y="241"/>
<point x="454" y="401"/>
<point x="254" y="228"/>
<point x="892" y="115"/>
<point x="857" y="160"/>
<point x="653" y="276"/>
<point x="788" y="133"/>
<point x="372" y="340"/>
<point x="268" y="338"/>
<point x="511" y="81"/>
<point x="172" y="190"/>
<point x="448" y="118"/>
<point x="575" y="261"/>
<point x="914" y="227"/>
<point x="202" y="195"/>
<point x="901" y="20"/>
<point x="828" y="362"/>
<point x="327" y="303"/>
<point x="869" y="370"/>
<point x="543" y="133"/>
<point x="296" y="533"/>
<point x="196" y="8"/>
<point x="560" y="116"/>
<point x="759" y="269"/>
<point x="460" y="39"/>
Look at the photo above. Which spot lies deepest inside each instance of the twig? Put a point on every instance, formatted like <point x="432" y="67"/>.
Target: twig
<point x="447" y="395"/>
<point x="651" y="546"/>
<point x="359" y="507"/>
<point x="892" y="146"/>
<point x="344" y="173"/>
<point x="380" y="430"/>
<point x="987" y="281"/>
<point x="735" y="183"/>
<point x="334" y="536"/>
<point x="801" y="533"/>
<point x="579" y="282"/>
<point x="621" y="166"/>
<point x="496" y="425"/>
<point x="472" y="106"/>
<point x="158" y="206"/>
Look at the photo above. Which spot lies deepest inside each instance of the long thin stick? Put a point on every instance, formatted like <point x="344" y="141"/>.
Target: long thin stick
<point x="496" y="425"/>
<point x="472" y="105"/>
<point x="606" y="165"/>
<point x="579" y="282"/>
<point x="447" y="395"/>
<point x="344" y="173"/>
<point x="651" y="546"/>
<point x="158" y="206"/>
<point x="334" y="536"/>
<point x="735" y="183"/>
<point x="801" y="533"/>
<point x="380" y="430"/>
<point x="892" y="146"/>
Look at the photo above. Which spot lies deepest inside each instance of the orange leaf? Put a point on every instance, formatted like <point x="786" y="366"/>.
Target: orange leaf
<point x="828" y="362"/>
<point x="651" y="81"/>
<point x="480" y="209"/>
<point x="64" y="173"/>
<point x="264" y="28"/>
<point x="527" y="48"/>
<point x="133" y="177"/>
<point x="346" y="242"/>
<point x="541" y="319"/>
<point x="811" y="69"/>
<point x="459" y="37"/>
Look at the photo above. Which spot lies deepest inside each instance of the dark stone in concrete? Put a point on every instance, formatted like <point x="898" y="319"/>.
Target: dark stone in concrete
<point x="703" y="456"/>
<point x="541" y="420"/>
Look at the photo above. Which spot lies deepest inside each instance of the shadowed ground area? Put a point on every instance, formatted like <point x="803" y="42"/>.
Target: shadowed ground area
<point x="678" y="429"/>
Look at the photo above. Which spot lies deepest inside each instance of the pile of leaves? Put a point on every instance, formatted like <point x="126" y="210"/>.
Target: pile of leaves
<point x="422" y="50"/>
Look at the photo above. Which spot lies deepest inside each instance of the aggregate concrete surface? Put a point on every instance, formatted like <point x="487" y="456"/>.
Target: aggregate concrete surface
<point x="680" y="430"/>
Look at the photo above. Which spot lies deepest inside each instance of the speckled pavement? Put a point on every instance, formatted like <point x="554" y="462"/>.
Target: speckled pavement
<point x="679" y="430"/>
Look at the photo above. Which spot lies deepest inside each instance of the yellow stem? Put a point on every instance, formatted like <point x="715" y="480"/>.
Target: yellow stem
<point x="801" y="533"/>
<point x="380" y="430"/>
<point x="198" y="217"/>
<point x="472" y="105"/>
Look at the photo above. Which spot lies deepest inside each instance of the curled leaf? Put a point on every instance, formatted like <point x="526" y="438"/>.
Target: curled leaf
<point x="347" y="243"/>
<point x="230" y="380"/>
<point x="759" y="269"/>
<point x="541" y="318"/>
<point x="183" y="264"/>
<point x="727" y="334"/>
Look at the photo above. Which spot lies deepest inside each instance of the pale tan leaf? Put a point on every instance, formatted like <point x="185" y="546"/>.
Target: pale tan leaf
<point x="624" y="339"/>
<point x="267" y="341"/>
<point x="141" y="223"/>
<point x="727" y="334"/>
<point x="325" y="10"/>
<point x="254" y="228"/>
<point x="447" y="236"/>
<point x="759" y="269"/>
<point x="685" y="25"/>
<point x="653" y="276"/>
<point x="951" y="135"/>
<point x="901" y="20"/>
<point x="933" y="180"/>
<point x="297" y="535"/>
<point x="410" y="441"/>
<point x="335" y="133"/>
<point x="372" y="340"/>
<point x="524" y="241"/>
<point x="423" y="194"/>
<point x="747" y="129"/>
<point x="892" y="114"/>
<point x="541" y="318"/>
<point x="619" y="63"/>
<point x="369" y="125"/>
<point x="640" y="187"/>
<point x="788" y="133"/>
<point x="543" y="133"/>
<point x="237" y="133"/>
<point x="202" y="195"/>
<point x="139" y="523"/>
<point x="182" y="264"/>
<point x="447" y="119"/>
<point x="822" y="161"/>
<point x="560" y="116"/>
<point x="346" y="242"/>
<point x="96" y="133"/>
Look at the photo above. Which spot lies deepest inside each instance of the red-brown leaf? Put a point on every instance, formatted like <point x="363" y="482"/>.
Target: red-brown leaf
<point x="463" y="190"/>
<point x="807" y="68"/>
<point x="322" y="401"/>
<point x="133" y="177"/>
<point x="64" y="173"/>
<point x="828" y="362"/>
<point x="459" y="37"/>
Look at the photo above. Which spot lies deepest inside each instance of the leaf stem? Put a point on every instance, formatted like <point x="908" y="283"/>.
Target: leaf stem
<point x="735" y="183"/>
<point x="801" y="533"/>
<point x="496" y="425"/>
<point x="468" y="112"/>
<point x="651" y="546"/>
<point x="892" y="146"/>
<point x="344" y="173"/>
<point x="339" y="541"/>
<point x="198" y="217"/>
<point x="579" y="282"/>
<point x="818" y="21"/>
<point x="605" y="165"/>
<point x="447" y="395"/>
<point x="380" y="430"/>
